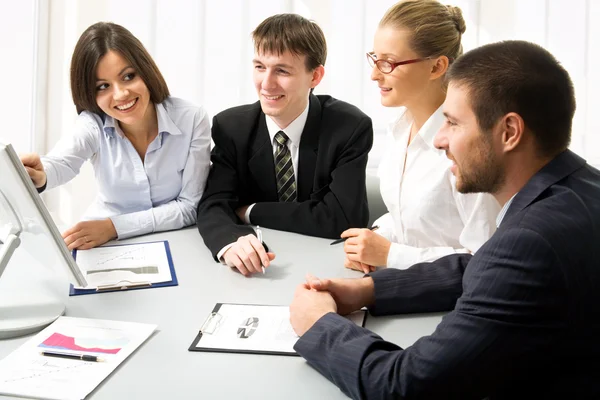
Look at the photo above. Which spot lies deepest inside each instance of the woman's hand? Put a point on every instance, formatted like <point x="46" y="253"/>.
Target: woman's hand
<point x="88" y="234"/>
<point x="366" y="247"/>
<point x="35" y="169"/>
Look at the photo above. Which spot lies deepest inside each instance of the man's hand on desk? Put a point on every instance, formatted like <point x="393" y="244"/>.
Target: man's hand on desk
<point x="349" y="294"/>
<point x="246" y="255"/>
<point x="308" y="306"/>
<point x="88" y="234"/>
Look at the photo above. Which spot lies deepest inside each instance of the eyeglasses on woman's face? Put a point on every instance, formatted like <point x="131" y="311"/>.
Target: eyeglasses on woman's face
<point x="387" y="67"/>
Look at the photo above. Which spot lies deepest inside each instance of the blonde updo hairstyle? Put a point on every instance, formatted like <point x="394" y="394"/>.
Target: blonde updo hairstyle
<point x="436" y="29"/>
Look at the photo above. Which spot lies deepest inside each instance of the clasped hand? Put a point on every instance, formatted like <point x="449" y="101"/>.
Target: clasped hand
<point x="317" y="297"/>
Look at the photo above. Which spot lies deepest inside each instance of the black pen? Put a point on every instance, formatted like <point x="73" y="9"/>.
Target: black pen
<point x="344" y="239"/>
<point x="83" y="357"/>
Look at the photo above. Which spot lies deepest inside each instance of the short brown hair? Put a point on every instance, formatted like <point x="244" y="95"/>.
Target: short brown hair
<point x="521" y="77"/>
<point x="94" y="43"/>
<point x="294" y="33"/>
<point x="436" y="30"/>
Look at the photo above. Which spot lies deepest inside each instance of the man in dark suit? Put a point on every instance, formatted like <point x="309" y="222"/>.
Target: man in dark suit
<point x="292" y="161"/>
<point x="525" y="319"/>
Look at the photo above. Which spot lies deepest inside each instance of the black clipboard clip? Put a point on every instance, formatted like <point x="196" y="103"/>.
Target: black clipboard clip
<point x="123" y="285"/>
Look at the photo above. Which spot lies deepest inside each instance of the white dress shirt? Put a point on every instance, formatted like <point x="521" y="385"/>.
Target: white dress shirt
<point x="160" y="193"/>
<point x="504" y="210"/>
<point x="427" y="218"/>
<point x="294" y="133"/>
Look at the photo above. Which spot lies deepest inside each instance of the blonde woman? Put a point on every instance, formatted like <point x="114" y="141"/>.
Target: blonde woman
<point x="427" y="218"/>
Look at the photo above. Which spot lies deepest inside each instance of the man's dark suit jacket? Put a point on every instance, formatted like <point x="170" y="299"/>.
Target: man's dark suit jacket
<point x="526" y="308"/>
<point x="330" y="179"/>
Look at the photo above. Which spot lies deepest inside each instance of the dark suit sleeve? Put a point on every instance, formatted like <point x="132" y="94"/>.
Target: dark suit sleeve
<point x="512" y="305"/>
<point x="424" y="287"/>
<point x="333" y="208"/>
<point x="217" y="222"/>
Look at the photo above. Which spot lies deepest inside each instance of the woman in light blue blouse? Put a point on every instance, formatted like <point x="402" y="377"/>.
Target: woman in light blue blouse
<point x="150" y="151"/>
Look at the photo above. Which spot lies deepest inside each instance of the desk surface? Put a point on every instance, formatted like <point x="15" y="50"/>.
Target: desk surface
<point x="163" y="367"/>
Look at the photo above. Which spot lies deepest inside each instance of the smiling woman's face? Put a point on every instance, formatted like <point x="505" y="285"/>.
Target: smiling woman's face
<point x="120" y="91"/>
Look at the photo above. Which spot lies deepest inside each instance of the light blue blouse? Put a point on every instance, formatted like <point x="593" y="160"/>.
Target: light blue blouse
<point x="161" y="193"/>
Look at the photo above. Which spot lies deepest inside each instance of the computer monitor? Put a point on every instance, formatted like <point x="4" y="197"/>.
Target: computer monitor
<point x="35" y="265"/>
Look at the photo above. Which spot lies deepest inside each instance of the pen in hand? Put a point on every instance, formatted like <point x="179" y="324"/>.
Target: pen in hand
<point x="259" y="236"/>
<point x="83" y="357"/>
<point x="344" y="239"/>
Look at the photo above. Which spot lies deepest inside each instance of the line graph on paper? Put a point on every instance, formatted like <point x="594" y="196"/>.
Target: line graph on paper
<point x="40" y="371"/>
<point x="135" y="260"/>
<point x="127" y="254"/>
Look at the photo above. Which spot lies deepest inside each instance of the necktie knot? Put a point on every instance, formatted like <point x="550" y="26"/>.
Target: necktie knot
<point x="281" y="138"/>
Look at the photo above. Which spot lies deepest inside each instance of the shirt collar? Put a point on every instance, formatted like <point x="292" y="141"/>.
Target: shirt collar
<point x="503" y="211"/>
<point x="427" y="131"/>
<point x="293" y="130"/>
<point x="165" y="123"/>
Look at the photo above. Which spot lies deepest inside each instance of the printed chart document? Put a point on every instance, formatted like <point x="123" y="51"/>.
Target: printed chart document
<point x="28" y="373"/>
<point x="247" y="328"/>
<point x="125" y="266"/>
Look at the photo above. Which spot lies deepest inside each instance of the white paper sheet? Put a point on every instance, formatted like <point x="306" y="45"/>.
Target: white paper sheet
<point x="254" y="328"/>
<point x="131" y="263"/>
<point x="25" y="372"/>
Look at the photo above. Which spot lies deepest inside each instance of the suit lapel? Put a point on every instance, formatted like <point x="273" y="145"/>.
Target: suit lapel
<point x="309" y="145"/>
<point x="261" y="163"/>
<point x="560" y="167"/>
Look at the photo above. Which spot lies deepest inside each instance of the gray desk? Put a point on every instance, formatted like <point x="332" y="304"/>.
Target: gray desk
<point x="163" y="368"/>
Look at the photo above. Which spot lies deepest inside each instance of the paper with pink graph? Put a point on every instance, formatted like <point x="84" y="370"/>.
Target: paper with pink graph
<point x="28" y="373"/>
<point x="58" y="342"/>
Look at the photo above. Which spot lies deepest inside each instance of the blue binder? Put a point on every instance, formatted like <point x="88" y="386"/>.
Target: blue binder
<point x="134" y="286"/>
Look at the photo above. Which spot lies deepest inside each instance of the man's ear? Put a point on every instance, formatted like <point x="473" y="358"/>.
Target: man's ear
<point x="513" y="128"/>
<point x="317" y="75"/>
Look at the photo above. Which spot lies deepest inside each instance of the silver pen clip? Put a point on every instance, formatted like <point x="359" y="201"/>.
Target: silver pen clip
<point x="259" y="236"/>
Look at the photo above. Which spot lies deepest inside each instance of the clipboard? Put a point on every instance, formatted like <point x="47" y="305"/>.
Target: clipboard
<point x="217" y="318"/>
<point x="128" y="285"/>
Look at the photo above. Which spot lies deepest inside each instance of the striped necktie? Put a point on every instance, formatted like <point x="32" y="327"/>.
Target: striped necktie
<point x="284" y="169"/>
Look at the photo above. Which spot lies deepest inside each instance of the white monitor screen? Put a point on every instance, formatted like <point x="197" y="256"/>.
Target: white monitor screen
<point x="42" y="250"/>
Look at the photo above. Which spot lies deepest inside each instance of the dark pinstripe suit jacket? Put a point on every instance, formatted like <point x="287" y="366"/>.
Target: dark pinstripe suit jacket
<point x="525" y="319"/>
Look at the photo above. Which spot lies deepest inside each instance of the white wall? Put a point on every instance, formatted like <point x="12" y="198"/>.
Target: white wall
<point x="18" y="69"/>
<point x="204" y="50"/>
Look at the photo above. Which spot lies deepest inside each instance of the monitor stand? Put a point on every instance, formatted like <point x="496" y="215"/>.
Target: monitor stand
<point x="23" y="314"/>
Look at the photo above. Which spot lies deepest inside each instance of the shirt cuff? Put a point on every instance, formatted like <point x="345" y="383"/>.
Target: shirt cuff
<point x="247" y="215"/>
<point x="51" y="177"/>
<point x="222" y="251"/>
<point x="134" y="224"/>
<point x="394" y="257"/>
<point x="41" y="189"/>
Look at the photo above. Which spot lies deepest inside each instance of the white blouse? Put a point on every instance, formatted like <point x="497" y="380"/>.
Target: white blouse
<point x="427" y="217"/>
